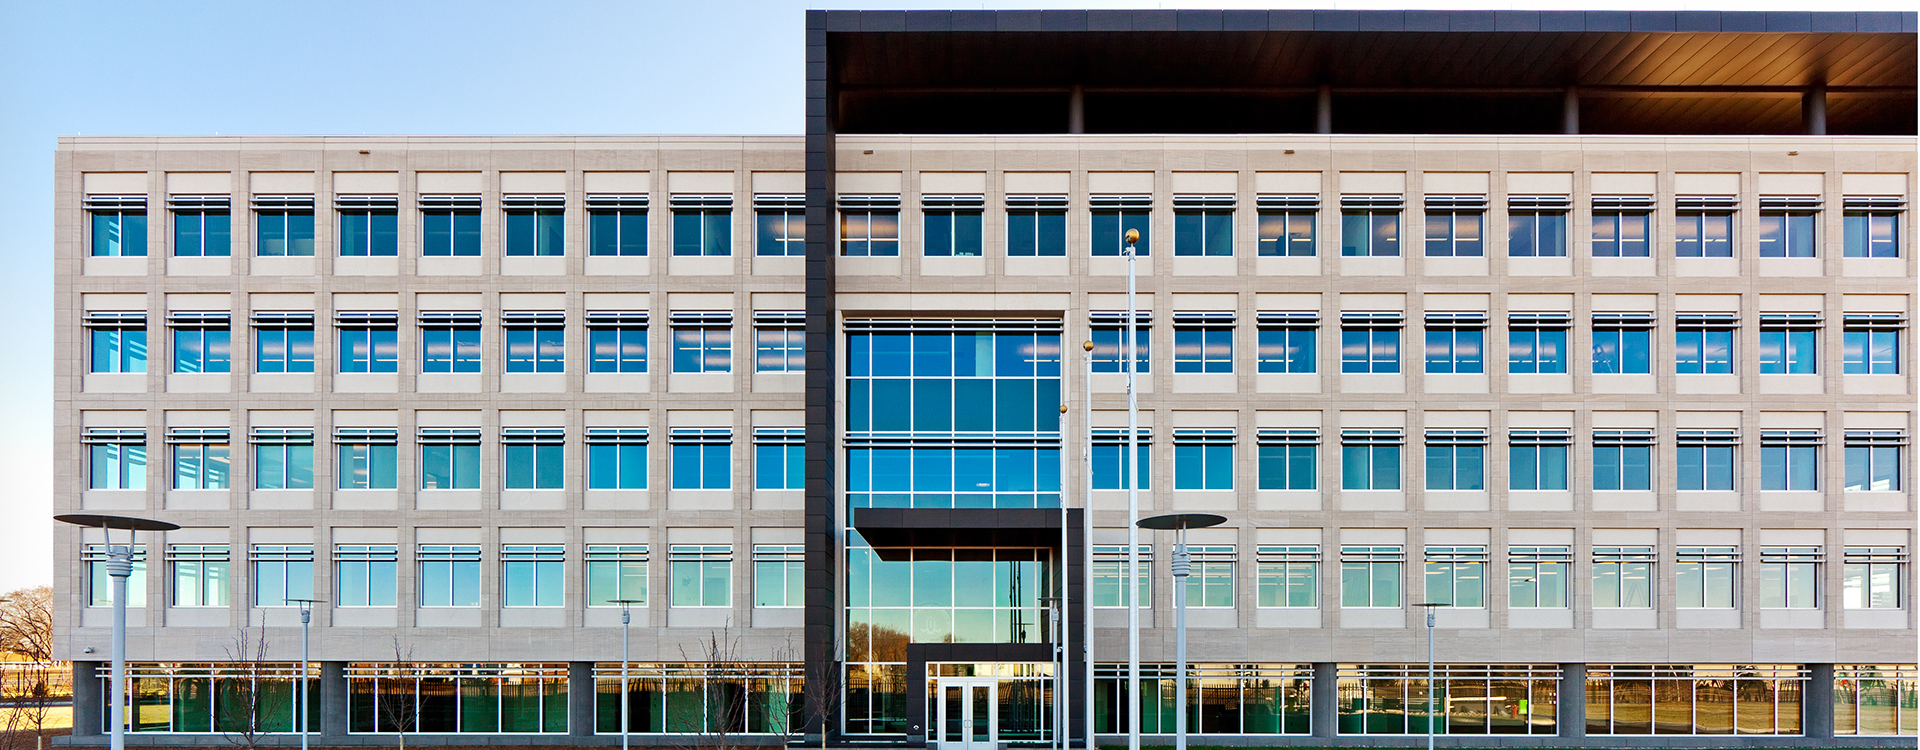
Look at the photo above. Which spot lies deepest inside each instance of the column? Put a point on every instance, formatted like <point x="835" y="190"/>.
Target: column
<point x="1813" y="110"/>
<point x="1077" y="110"/>
<point x="581" y="693"/>
<point x="1572" y="711"/>
<point x="333" y="700"/>
<point x="1325" y="706"/>
<point x="1816" y="703"/>
<point x="1323" y="110"/>
<point x="1570" y="112"/>
<point x="87" y="699"/>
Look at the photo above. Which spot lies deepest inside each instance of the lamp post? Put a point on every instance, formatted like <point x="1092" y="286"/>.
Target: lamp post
<point x="1131" y="589"/>
<point x="1086" y="535"/>
<point x="300" y="688"/>
<point x="1429" y="607"/>
<point x="119" y="568"/>
<point x="1182" y="566"/>
<point x="626" y="629"/>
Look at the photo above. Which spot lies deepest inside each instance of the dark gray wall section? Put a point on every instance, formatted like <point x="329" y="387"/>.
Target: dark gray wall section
<point x="1360" y="20"/>
<point x="822" y="529"/>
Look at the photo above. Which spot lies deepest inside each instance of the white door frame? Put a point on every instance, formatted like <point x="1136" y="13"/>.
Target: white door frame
<point x="977" y="727"/>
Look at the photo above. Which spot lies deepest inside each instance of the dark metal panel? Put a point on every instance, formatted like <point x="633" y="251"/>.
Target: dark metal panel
<point x="1516" y="20"/>
<point x="1563" y="20"/>
<point x="1651" y="20"/>
<point x="1336" y="20"/>
<point x="883" y="20"/>
<point x="1466" y="20"/>
<point x="1290" y="20"/>
<point x="1063" y="20"/>
<point x="1743" y="20"/>
<point x="1109" y="20"/>
<point x="1427" y="20"/>
<point x="975" y="20"/>
<point x="1243" y="20"/>
<point x="1696" y="20"/>
<point x="1019" y="20"/>
<point x="1783" y="20"/>
<point x="1880" y="21"/>
<point x="1833" y="22"/>
<point x="929" y="20"/>
<point x="843" y="20"/>
<point x="1608" y="20"/>
<point x="1383" y="20"/>
<point x="1155" y="20"/>
<point x="1197" y="20"/>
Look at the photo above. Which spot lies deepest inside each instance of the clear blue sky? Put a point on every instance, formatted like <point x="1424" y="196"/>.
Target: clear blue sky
<point x="352" y="67"/>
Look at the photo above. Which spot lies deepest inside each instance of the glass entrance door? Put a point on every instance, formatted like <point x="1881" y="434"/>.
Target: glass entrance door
<point x="969" y="717"/>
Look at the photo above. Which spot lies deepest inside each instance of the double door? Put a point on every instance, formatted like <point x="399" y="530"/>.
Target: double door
<point x="969" y="713"/>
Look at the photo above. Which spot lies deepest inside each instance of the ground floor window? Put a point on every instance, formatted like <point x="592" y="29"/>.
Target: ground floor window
<point x="1701" y="699"/>
<point x="1463" y="699"/>
<point x="457" y="698"/>
<point x="1221" y="698"/>
<point x="712" y="698"/>
<point x="248" y="698"/>
<point x="1876" y="700"/>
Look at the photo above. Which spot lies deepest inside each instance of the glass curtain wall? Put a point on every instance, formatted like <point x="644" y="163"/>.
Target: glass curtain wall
<point x="1876" y="700"/>
<point x="1465" y="699"/>
<point x="716" y="697"/>
<point x="199" y="698"/>
<point x="1759" y="699"/>
<point x="412" y="697"/>
<point x="1221" y="698"/>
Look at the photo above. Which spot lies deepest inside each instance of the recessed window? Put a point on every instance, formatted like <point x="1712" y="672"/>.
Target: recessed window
<point x="702" y="225"/>
<point x="282" y="574"/>
<point x="1287" y="225"/>
<point x="202" y="225"/>
<point x="1873" y="460"/>
<point x="202" y="574"/>
<point x="779" y="575"/>
<point x="1289" y="459"/>
<point x="1705" y="459"/>
<point x="533" y="458"/>
<point x="1370" y="342"/>
<point x="283" y="226"/>
<point x="117" y="342"/>
<point x="450" y="226"/>
<point x="1623" y="577"/>
<point x="1036" y="226"/>
<point x="1457" y="460"/>
<point x="1203" y="459"/>
<point x="1787" y="226"/>
<point x="369" y="341"/>
<point x="1457" y="575"/>
<point x="282" y="342"/>
<point x="449" y="575"/>
<point x="282" y="458"/>
<point x="1210" y="582"/>
<point x="1789" y="343"/>
<point x="536" y="342"/>
<point x="702" y="342"/>
<point x="1790" y="577"/>
<point x="1370" y="459"/>
<point x="1870" y="343"/>
<point x="1623" y="460"/>
<point x="202" y="342"/>
<point x="617" y="225"/>
<point x="100" y="583"/>
<point x="616" y="458"/>
<point x="870" y="226"/>
<point x="1110" y="575"/>
<point x="779" y="458"/>
<point x="617" y="341"/>
<point x="702" y="575"/>
<point x="1370" y="575"/>
<point x="1289" y="575"/>
<point x="1111" y="216"/>
<point x="616" y="573"/>
<point x="1287" y="342"/>
<point x="702" y="458"/>
<point x="1622" y="226"/>
<point x="1370" y="225"/>
<point x="1109" y="334"/>
<point x="1456" y="343"/>
<point x="1789" y="460"/>
<point x="202" y="458"/>
<point x="1872" y="578"/>
<point x="1456" y="226"/>
<point x="533" y="575"/>
<point x="952" y="224"/>
<point x="1537" y="576"/>
<point x="1203" y="225"/>
<point x="1872" y="227"/>
<point x="449" y="458"/>
<point x="367" y="457"/>
<point x="535" y="225"/>
<point x="116" y="458"/>
<point x="1110" y="464"/>
<point x="1622" y="343"/>
<point x="365" y="575"/>
<point x="1537" y="343"/>
<point x="1703" y="226"/>
<point x="1537" y="226"/>
<point x="1537" y="459"/>
<point x="370" y="225"/>
<point x="449" y="342"/>
<point x="1703" y="343"/>
<point x="1203" y="342"/>
<point x="1707" y="577"/>
<point x="780" y="225"/>
<point x="118" y="225"/>
<point x="779" y="341"/>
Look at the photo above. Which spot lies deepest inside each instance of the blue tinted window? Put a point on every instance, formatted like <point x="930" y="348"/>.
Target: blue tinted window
<point x="536" y="233"/>
<point x="1110" y="231"/>
<point x="1708" y="351"/>
<point x="1459" y="351"/>
<point x="118" y="349"/>
<point x="1289" y="467"/>
<point x="369" y="350"/>
<point x="1789" y="352"/>
<point x="1537" y="235"/>
<point x="373" y="234"/>
<point x="1287" y="233"/>
<point x="450" y="233"/>
<point x="617" y="232"/>
<point x="1454" y="235"/>
<point x="952" y="233"/>
<point x="283" y="350"/>
<point x="1203" y="233"/>
<point x="780" y="233"/>
<point x="1370" y="350"/>
<point x="202" y="234"/>
<point x="1287" y="350"/>
<point x="450" y="349"/>
<point x="202" y="350"/>
<point x="1621" y="235"/>
<point x="1537" y="351"/>
<point x="1036" y="233"/>
<point x="119" y="233"/>
<point x="536" y="349"/>
<point x="1622" y="351"/>
<point x="622" y="349"/>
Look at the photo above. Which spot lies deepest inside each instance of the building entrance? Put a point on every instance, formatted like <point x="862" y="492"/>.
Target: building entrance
<point x="968" y="715"/>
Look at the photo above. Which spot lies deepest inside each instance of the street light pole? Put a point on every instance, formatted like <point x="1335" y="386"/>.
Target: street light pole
<point x="119" y="568"/>
<point x="1086" y="536"/>
<point x="1131" y="589"/>
<point x="626" y="630"/>
<point x="301" y="687"/>
<point x="1182" y="567"/>
<point x="1429" y="607"/>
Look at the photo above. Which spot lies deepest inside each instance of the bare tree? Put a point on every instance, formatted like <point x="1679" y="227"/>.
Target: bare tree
<point x="253" y="698"/>
<point x="721" y="679"/>
<point x="26" y="698"/>
<point x="823" y="696"/>
<point x="26" y="623"/>
<point x="401" y="715"/>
